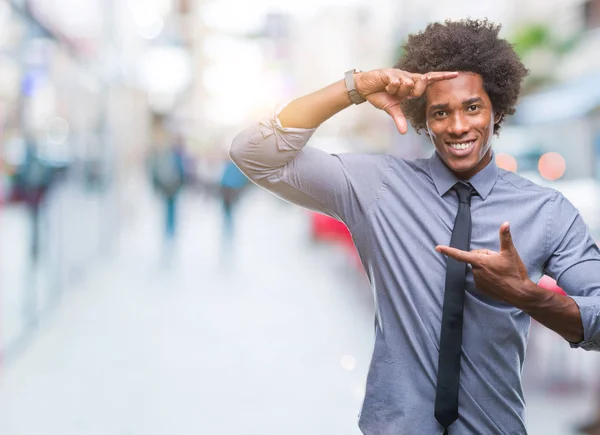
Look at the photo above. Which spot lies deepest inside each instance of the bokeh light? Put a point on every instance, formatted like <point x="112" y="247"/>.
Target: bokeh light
<point x="552" y="166"/>
<point x="348" y="362"/>
<point x="506" y="162"/>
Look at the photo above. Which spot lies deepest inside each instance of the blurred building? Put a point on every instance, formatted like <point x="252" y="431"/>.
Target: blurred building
<point x="562" y="117"/>
<point x="80" y="84"/>
<point x="272" y="52"/>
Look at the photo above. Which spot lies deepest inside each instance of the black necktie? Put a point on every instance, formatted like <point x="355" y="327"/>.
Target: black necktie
<point x="446" y="398"/>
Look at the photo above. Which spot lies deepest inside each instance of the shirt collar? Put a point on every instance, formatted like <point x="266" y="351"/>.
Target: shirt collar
<point x="445" y="179"/>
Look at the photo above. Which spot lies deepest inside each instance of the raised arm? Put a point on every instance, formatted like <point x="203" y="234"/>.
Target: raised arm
<point x="384" y="89"/>
<point x="271" y="153"/>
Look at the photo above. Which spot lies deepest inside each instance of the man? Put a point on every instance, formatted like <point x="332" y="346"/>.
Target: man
<point x="451" y="323"/>
<point x="232" y="184"/>
<point x="167" y="169"/>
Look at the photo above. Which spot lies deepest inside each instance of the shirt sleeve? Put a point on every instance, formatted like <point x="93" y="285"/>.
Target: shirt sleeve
<point x="575" y="264"/>
<point x="342" y="186"/>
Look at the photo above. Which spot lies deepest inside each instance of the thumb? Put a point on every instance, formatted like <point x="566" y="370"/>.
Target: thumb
<point x="506" y="243"/>
<point x="399" y="119"/>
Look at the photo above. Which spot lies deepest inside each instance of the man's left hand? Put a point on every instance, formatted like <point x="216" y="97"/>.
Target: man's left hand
<point x="501" y="275"/>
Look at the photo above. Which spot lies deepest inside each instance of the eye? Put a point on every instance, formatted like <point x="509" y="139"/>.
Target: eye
<point x="472" y="108"/>
<point x="440" y="113"/>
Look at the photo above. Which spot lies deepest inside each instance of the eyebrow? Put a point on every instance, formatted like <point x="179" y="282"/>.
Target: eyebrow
<point x="445" y="106"/>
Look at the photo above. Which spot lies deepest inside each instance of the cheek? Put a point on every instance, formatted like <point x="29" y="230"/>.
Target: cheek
<point x="487" y="130"/>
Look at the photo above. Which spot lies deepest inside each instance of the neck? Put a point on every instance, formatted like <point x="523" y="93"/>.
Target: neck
<point x="487" y="158"/>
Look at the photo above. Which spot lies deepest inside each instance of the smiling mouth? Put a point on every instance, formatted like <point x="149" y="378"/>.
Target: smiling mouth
<point x="463" y="145"/>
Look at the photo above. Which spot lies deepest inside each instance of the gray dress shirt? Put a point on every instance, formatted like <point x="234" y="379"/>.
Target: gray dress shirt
<point x="398" y="211"/>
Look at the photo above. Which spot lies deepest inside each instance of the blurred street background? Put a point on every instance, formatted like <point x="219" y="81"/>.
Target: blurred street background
<point x="146" y="288"/>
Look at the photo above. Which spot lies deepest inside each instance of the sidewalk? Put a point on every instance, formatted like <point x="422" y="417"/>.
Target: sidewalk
<point x="260" y="340"/>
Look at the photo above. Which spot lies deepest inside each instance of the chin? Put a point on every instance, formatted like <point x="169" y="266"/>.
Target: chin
<point x="461" y="165"/>
<point x="462" y="168"/>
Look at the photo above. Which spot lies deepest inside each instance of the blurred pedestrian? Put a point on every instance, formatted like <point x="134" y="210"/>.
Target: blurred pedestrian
<point x="32" y="181"/>
<point x="233" y="182"/>
<point x="452" y="329"/>
<point x="168" y="177"/>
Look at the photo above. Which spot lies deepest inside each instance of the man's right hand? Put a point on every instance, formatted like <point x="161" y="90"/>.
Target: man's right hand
<point x="386" y="88"/>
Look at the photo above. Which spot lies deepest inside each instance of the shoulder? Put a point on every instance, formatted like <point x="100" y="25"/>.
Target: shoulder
<point x="383" y="163"/>
<point x="400" y="165"/>
<point x="560" y="212"/>
<point x="362" y="162"/>
<point x="363" y="158"/>
<point x="527" y="187"/>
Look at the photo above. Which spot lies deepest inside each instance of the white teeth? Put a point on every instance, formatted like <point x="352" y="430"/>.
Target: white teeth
<point x="461" y="146"/>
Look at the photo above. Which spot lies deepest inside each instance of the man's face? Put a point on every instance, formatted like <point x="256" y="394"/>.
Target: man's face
<point x="460" y="121"/>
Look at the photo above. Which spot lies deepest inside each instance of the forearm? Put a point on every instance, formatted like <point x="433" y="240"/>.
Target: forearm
<point x="555" y="311"/>
<point x="313" y="109"/>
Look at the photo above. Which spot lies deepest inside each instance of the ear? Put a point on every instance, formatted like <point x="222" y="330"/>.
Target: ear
<point x="498" y="117"/>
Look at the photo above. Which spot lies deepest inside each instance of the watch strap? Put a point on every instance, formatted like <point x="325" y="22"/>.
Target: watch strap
<point x="352" y="92"/>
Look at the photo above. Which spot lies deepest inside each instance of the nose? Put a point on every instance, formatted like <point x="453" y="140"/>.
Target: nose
<point x="459" y="124"/>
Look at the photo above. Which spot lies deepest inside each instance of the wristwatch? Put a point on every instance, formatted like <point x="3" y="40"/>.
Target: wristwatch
<point x="352" y="93"/>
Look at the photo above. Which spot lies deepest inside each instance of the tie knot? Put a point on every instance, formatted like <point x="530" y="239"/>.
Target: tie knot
<point x="465" y="191"/>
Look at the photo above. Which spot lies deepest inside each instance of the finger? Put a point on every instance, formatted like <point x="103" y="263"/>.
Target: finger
<point x="393" y="86"/>
<point x="399" y="119"/>
<point x="484" y="251"/>
<point x="407" y="86"/>
<point x="421" y="83"/>
<point x="506" y="243"/>
<point x="438" y="76"/>
<point x="457" y="254"/>
<point x="403" y="85"/>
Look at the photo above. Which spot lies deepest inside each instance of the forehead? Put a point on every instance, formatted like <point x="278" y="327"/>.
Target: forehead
<point x="457" y="90"/>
